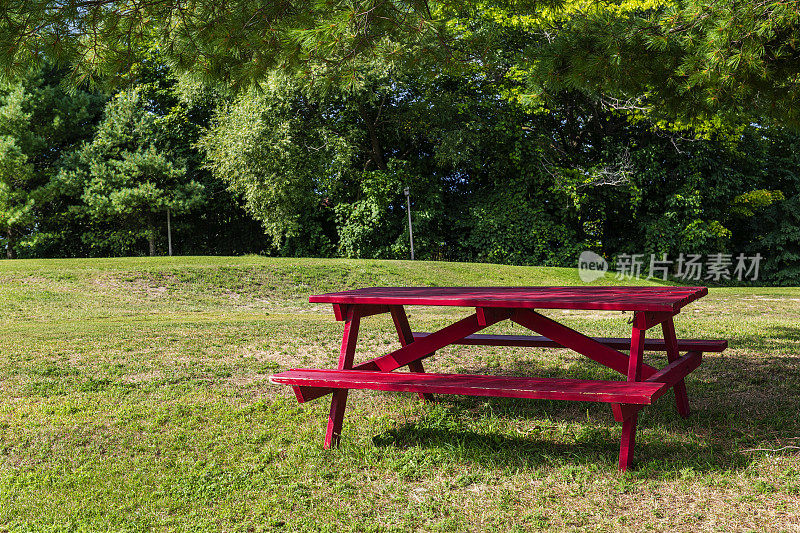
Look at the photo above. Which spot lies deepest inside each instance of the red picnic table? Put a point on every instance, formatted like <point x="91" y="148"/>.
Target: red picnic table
<point x="651" y="306"/>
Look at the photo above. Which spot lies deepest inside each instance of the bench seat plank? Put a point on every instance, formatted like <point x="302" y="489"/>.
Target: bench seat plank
<point x="533" y="341"/>
<point x="640" y="393"/>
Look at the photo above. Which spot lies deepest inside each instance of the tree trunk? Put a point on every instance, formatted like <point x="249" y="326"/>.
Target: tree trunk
<point x="169" y="234"/>
<point x="375" y="144"/>
<point x="10" y="252"/>
<point x="151" y="234"/>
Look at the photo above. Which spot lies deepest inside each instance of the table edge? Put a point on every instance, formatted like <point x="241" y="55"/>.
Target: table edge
<point x="350" y="299"/>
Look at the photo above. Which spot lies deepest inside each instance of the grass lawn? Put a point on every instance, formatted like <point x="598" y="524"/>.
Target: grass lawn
<point x="135" y="397"/>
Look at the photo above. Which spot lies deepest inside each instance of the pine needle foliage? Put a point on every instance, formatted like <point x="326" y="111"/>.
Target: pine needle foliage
<point x="691" y="59"/>
<point x="239" y="41"/>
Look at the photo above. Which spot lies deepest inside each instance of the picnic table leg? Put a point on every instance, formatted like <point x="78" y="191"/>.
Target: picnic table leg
<point x="339" y="401"/>
<point x="628" y="442"/>
<point x="635" y="362"/>
<point x="671" y="341"/>
<point x="406" y="337"/>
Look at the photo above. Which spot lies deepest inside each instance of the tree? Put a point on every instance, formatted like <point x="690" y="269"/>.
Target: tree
<point x="690" y="59"/>
<point x="275" y="150"/>
<point x="326" y="170"/>
<point x="181" y="112"/>
<point x="684" y="56"/>
<point x="40" y="123"/>
<point x="17" y="198"/>
<point x="237" y="40"/>
<point x="125" y="181"/>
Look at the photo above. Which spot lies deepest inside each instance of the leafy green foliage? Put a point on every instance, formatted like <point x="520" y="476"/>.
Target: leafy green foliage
<point x="366" y="227"/>
<point x="39" y="124"/>
<point x="18" y="190"/>
<point x="675" y="59"/>
<point x="238" y="41"/>
<point x="510" y="228"/>
<point x="124" y="179"/>
<point x="276" y="153"/>
<point x="492" y="179"/>
<point x="751" y="202"/>
<point x="783" y="244"/>
<point x="493" y="176"/>
<point x="684" y="60"/>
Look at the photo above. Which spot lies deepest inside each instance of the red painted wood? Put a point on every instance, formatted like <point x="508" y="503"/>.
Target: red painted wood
<point x="681" y="399"/>
<point x="628" y="442"/>
<point x="306" y="394"/>
<point x="429" y="344"/>
<point x="652" y="306"/>
<point x="416" y="352"/>
<point x="656" y="299"/>
<point x="407" y="337"/>
<point x="673" y="374"/>
<point x="635" y="359"/>
<point x="340" y="311"/>
<point x="621" y="411"/>
<point x="475" y="385"/>
<point x="333" y="433"/>
<point x="489" y="315"/>
<point x="576" y="341"/>
<point x="339" y="400"/>
<point x="401" y="324"/>
<point x="535" y="341"/>
<point x="653" y="319"/>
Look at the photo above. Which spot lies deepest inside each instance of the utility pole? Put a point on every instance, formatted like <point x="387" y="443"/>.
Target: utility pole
<point x="169" y="234"/>
<point x="410" y="231"/>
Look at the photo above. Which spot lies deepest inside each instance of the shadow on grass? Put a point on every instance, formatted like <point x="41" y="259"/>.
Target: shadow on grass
<point x="494" y="449"/>
<point x="780" y="339"/>
<point x="738" y="403"/>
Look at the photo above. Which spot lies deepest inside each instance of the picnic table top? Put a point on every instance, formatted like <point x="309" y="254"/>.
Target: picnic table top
<point x="654" y="299"/>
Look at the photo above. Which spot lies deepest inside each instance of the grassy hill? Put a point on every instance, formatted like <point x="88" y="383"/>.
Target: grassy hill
<point x="135" y="397"/>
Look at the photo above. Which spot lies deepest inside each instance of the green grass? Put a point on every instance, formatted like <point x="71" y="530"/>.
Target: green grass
<point x="135" y="398"/>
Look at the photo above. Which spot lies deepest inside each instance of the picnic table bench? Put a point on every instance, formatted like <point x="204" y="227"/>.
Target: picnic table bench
<point x="651" y="306"/>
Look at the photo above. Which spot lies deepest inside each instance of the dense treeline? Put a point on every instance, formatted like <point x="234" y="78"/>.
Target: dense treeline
<point x="83" y="173"/>
<point x="290" y="170"/>
<point x="526" y="131"/>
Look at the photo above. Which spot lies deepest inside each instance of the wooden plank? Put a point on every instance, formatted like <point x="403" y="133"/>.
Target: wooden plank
<point x="655" y="299"/>
<point x="618" y="343"/>
<point x="475" y="385"/>
<point x="671" y="375"/>
<point x="340" y="311"/>
<point x="622" y="411"/>
<point x="426" y="346"/>
<point x="569" y="338"/>
<point x="306" y="394"/>
<point x="401" y="324"/>
<point x="489" y="315"/>
<point x="654" y="319"/>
